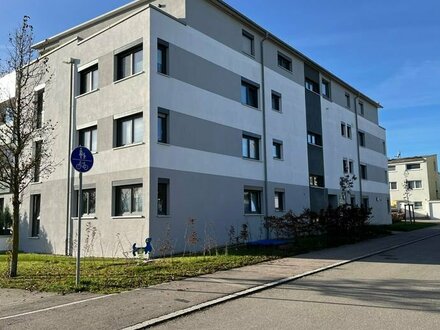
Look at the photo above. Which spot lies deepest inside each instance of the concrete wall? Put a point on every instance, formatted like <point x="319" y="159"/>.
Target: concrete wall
<point x="5" y="243"/>
<point x="434" y="210"/>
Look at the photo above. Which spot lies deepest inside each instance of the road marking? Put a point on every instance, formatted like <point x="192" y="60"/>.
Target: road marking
<point x="211" y="303"/>
<point x="243" y="293"/>
<point x="55" y="307"/>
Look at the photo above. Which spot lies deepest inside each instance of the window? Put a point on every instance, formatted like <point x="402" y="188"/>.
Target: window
<point x="314" y="139"/>
<point x="249" y="94"/>
<point x="416" y="184"/>
<point x="347" y="100"/>
<point x="412" y="166"/>
<point x="37" y="155"/>
<point x="162" y="197"/>
<point x="162" y="57"/>
<point x="391" y="168"/>
<point x="35" y="213"/>
<point x="353" y="201"/>
<point x="39" y="104"/>
<point x="284" y="62"/>
<point x="311" y="85"/>
<point x="2" y="205"/>
<point x="129" y="62"/>
<point x="129" y="200"/>
<point x="343" y="129"/>
<point x="277" y="149"/>
<point x="162" y="127"/>
<point x="349" y="131"/>
<point x="251" y="147"/>
<point x="88" y="79"/>
<point x="364" y="172"/>
<point x="316" y="180"/>
<point x="393" y="185"/>
<point x="345" y="165"/>
<point x="361" y="109"/>
<point x="361" y="136"/>
<point x="252" y="201"/>
<point x="248" y="43"/>
<point x="388" y="205"/>
<point x="418" y="205"/>
<point x="88" y="138"/>
<point x="276" y="101"/>
<point x="365" y="202"/>
<point x="348" y="166"/>
<point x="279" y="201"/>
<point x="325" y="87"/>
<point x="384" y="148"/>
<point x="130" y="130"/>
<point x="88" y="201"/>
<point x="7" y="116"/>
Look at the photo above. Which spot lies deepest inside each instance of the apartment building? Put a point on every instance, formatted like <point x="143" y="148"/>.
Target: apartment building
<point x="199" y="119"/>
<point x="421" y="172"/>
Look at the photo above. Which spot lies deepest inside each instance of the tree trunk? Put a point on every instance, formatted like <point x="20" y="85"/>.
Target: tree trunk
<point x="15" y="237"/>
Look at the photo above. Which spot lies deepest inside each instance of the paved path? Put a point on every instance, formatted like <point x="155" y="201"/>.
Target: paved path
<point x="21" y="310"/>
<point x="398" y="289"/>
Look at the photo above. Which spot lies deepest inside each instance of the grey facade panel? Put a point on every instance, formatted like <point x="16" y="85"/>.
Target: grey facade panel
<point x="316" y="160"/>
<point x="202" y="16"/>
<point x="377" y="174"/>
<point x="371" y="113"/>
<point x="106" y="76"/>
<point x="195" y="133"/>
<point x="313" y="112"/>
<point x="271" y="62"/>
<point x="338" y="96"/>
<point x="215" y="202"/>
<point x="374" y="143"/>
<point x="311" y="74"/>
<point x="105" y="134"/>
<point x="318" y="199"/>
<point x="194" y="70"/>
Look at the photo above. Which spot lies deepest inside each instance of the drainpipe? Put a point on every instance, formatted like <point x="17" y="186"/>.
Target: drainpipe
<point x="358" y="148"/>
<point x="70" y="61"/>
<point x="266" y="201"/>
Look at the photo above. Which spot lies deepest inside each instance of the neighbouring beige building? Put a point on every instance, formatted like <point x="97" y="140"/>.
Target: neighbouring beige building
<point x="423" y="179"/>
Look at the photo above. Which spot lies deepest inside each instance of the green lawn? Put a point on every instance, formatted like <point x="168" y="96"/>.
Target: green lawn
<point x="57" y="273"/>
<point x="406" y="226"/>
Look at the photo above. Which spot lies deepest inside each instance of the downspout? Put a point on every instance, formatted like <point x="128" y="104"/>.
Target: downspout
<point x="67" y="251"/>
<point x="358" y="148"/>
<point x="266" y="200"/>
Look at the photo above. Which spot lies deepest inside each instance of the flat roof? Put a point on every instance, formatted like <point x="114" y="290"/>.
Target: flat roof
<point x="409" y="159"/>
<point x="222" y="4"/>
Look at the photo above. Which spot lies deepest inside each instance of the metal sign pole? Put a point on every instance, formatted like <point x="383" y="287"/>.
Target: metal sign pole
<point x="78" y="254"/>
<point x="82" y="161"/>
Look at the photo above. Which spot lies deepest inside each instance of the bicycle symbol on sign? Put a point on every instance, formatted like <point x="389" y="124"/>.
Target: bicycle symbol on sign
<point x="82" y="159"/>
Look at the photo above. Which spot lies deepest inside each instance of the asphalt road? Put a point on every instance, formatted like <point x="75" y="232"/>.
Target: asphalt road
<point x="399" y="289"/>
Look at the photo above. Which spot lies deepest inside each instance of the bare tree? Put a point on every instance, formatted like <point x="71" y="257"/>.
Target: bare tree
<point x="346" y="184"/>
<point x="25" y="139"/>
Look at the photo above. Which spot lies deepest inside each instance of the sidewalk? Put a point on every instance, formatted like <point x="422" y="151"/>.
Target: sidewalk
<point x="86" y="311"/>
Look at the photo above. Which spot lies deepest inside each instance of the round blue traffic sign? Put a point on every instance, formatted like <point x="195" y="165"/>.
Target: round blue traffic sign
<point x="81" y="159"/>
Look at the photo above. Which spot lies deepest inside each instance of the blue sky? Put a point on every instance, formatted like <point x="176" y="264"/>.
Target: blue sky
<point x="390" y="50"/>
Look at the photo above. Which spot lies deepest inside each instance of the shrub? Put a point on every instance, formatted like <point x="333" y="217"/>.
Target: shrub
<point x="342" y="224"/>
